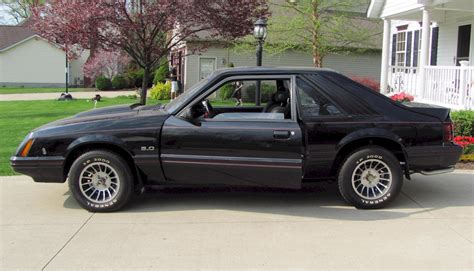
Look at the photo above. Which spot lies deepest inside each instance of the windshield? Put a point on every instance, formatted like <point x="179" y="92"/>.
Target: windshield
<point x="176" y="103"/>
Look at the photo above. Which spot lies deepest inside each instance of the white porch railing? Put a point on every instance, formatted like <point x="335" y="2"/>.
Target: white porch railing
<point x="448" y="86"/>
<point x="451" y="87"/>
<point x="402" y="79"/>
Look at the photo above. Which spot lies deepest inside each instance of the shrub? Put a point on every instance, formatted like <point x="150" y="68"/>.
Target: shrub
<point x="266" y="91"/>
<point x="161" y="73"/>
<point x="119" y="82"/>
<point x="161" y="91"/>
<point x="103" y="83"/>
<point x="136" y="78"/>
<point x="225" y="92"/>
<point x="463" y="122"/>
<point x="402" y="97"/>
<point x="368" y="82"/>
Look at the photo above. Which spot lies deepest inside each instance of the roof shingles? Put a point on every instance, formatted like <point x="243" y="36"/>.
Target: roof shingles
<point x="12" y="34"/>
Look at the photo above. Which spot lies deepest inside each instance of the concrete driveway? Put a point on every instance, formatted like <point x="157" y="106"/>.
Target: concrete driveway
<point x="429" y="226"/>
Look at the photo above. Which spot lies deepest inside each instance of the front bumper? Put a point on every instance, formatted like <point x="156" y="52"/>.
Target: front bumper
<point x="433" y="158"/>
<point x="41" y="169"/>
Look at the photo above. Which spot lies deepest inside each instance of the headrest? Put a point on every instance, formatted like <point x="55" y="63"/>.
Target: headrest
<point x="280" y="97"/>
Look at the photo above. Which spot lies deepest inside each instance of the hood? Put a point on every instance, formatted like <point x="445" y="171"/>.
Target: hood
<point x="109" y="113"/>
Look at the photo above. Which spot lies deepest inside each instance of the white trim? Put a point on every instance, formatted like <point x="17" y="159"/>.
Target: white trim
<point x="29" y="38"/>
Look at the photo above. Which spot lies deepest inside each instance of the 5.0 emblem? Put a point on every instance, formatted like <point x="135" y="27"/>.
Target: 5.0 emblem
<point x="149" y="148"/>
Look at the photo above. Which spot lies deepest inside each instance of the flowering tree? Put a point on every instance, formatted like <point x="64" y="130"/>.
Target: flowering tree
<point x="105" y="63"/>
<point x="145" y="29"/>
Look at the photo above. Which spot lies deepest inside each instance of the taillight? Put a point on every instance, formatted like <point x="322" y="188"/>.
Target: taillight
<point x="27" y="148"/>
<point x="448" y="133"/>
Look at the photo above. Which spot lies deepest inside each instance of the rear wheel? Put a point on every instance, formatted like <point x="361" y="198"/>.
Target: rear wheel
<point x="101" y="181"/>
<point x="370" y="178"/>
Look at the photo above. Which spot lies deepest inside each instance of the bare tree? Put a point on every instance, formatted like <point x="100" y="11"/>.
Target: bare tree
<point x="19" y="10"/>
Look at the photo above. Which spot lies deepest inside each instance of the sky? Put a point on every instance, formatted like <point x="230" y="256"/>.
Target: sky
<point x="4" y="17"/>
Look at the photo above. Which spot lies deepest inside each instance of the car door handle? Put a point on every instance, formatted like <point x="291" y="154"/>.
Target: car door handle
<point x="281" y="134"/>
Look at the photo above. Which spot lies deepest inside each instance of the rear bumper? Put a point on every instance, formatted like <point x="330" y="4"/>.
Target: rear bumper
<point x="41" y="169"/>
<point x="433" y="158"/>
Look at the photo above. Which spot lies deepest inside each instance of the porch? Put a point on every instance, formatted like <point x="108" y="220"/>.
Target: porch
<point x="448" y="86"/>
<point x="427" y="50"/>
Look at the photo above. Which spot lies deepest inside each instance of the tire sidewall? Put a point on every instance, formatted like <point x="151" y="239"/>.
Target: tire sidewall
<point x="120" y="167"/>
<point x="360" y="156"/>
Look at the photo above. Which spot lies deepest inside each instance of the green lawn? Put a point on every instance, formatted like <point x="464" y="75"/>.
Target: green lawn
<point x="19" y="90"/>
<point x="18" y="118"/>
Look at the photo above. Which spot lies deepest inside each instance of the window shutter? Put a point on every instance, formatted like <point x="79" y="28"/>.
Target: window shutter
<point x="416" y="42"/>
<point x="394" y="48"/>
<point x="408" y="50"/>
<point x="434" y="46"/>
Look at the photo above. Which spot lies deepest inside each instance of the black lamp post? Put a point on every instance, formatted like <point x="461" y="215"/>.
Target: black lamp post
<point x="260" y="34"/>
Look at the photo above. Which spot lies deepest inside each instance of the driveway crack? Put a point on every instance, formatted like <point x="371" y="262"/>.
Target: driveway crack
<point x="68" y="241"/>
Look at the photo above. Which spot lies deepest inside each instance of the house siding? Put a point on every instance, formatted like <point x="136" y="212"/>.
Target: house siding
<point x="35" y="63"/>
<point x="448" y="37"/>
<point x="392" y="7"/>
<point x="366" y="65"/>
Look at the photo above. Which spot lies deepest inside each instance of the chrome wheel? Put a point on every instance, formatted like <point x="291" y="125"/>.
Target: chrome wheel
<point x="99" y="182"/>
<point x="372" y="179"/>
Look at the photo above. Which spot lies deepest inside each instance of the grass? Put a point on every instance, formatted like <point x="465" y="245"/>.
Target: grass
<point x="22" y="90"/>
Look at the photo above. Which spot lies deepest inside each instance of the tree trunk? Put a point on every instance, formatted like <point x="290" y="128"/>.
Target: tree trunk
<point x="317" y="57"/>
<point x="146" y="79"/>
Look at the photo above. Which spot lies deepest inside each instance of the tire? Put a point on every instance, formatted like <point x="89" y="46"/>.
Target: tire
<point x="105" y="178"/>
<point x="370" y="178"/>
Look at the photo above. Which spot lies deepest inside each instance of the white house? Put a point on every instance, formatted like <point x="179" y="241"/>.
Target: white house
<point x="427" y="49"/>
<point x="28" y="60"/>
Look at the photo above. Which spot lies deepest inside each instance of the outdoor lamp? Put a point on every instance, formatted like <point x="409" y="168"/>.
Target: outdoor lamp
<point x="260" y="30"/>
<point x="260" y="34"/>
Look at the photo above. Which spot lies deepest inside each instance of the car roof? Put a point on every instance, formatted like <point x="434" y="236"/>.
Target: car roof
<point x="266" y="70"/>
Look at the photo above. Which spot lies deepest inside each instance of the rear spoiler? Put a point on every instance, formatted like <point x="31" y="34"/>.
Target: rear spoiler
<point x="441" y="113"/>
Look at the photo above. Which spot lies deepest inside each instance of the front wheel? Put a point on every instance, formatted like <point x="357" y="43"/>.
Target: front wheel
<point x="370" y="178"/>
<point x="101" y="181"/>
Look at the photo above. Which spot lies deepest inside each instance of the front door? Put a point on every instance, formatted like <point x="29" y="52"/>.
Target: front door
<point x="229" y="150"/>
<point x="464" y="44"/>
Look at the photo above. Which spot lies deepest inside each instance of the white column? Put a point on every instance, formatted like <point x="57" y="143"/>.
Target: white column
<point x="425" y="52"/>
<point x="385" y="56"/>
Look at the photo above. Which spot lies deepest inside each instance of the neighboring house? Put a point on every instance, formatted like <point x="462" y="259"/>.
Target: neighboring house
<point x="428" y="48"/>
<point x="193" y="67"/>
<point x="28" y="60"/>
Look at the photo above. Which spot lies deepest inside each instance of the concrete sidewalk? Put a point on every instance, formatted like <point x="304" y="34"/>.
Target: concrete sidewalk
<point x="55" y="95"/>
<point x="430" y="226"/>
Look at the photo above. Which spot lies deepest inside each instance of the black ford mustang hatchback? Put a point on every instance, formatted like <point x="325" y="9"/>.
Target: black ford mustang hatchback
<point x="303" y="125"/>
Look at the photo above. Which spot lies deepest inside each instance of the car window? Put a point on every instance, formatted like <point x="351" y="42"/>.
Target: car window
<point x="312" y="103"/>
<point x="183" y="98"/>
<point x="235" y="100"/>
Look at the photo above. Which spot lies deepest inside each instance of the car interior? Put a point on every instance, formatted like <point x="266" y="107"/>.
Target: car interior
<point x="236" y="100"/>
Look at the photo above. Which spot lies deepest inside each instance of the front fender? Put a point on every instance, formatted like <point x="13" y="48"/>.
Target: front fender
<point x="94" y="139"/>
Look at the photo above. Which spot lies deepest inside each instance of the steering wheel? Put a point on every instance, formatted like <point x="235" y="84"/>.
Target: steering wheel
<point x="208" y="108"/>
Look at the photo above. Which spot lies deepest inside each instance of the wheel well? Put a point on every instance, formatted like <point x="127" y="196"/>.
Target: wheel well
<point x="75" y="153"/>
<point x="388" y="144"/>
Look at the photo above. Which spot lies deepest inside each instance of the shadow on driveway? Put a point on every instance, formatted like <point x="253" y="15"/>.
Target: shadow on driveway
<point x="321" y="200"/>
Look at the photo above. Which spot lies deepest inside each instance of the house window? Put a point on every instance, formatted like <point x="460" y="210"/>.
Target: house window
<point x="401" y="48"/>
<point x="206" y="67"/>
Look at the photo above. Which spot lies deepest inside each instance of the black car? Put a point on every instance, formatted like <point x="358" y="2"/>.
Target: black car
<point x="305" y="125"/>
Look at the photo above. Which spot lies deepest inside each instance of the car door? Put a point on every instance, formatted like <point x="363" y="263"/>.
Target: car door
<point x="233" y="152"/>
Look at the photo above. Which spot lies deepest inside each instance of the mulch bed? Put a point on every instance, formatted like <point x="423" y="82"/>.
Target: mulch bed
<point x="465" y="165"/>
